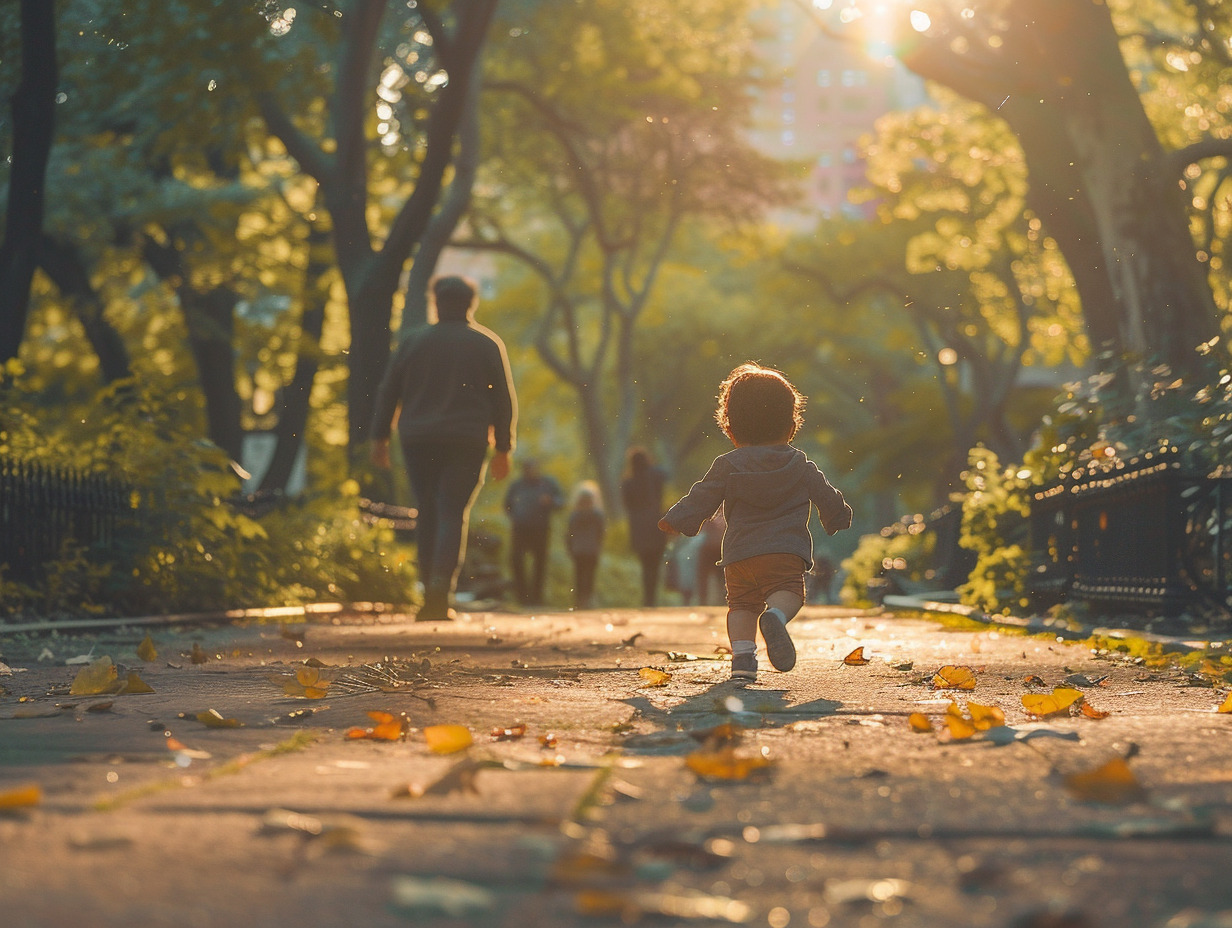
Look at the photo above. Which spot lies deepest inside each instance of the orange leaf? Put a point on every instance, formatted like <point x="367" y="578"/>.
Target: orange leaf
<point x="654" y="677"/>
<point x="388" y="727"/>
<point x="1054" y="703"/>
<point x="951" y="677"/>
<point x="447" y="739"/>
<point x="1227" y="705"/>
<point x="20" y="797"/>
<point x="1092" y="713"/>
<point x="726" y="764"/>
<point x="1113" y="783"/>
<point x="856" y="658"/>
<point x="919" y="722"/>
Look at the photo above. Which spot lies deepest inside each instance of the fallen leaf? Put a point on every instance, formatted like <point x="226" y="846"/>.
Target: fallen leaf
<point x="919" y="722"/>
<point x="1226" y="706"/>
<point x="212" y="718"/>
<point x="80" y="659"/>
<point x="1091" y="712"/>
<point x="100" y="706"/>
<point x="95" y="678"/>
<point x="985" y="717"/>
<point x="21" y="797"/>
<point x="960" y="726"/>
<point x="307" y="682"/>
<point x="1081" y="679"/>
<point x="856" y="658"/>
<point x="146" y="650"/>
<point x="388" y="727"/>
<point x="198" y="655"/>
<point x="654" y="677"/>
<point x="725" y="735"/>
<point x="1112" y="783"/>
<point x="1034" y="679"/>
<point x="184" y="755"/>
<point x="1054" y="703"/>
<point x="134" y="686"/>
<point x="512" y="733"/>
<point x="951" y="677"/>
<point x="726" y="764"/>
<point x="447" y="739"/>
<point x="547" y="741"/>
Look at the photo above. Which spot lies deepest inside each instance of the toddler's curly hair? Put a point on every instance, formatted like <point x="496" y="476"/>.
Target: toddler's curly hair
<point x="759" y="406"/>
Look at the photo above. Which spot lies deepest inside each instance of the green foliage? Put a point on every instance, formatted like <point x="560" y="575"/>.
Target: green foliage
<point x="896" y="548"/>
<point x="994" y="512"/>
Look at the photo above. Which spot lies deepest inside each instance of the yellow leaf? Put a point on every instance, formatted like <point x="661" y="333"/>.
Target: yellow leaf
<point x="20" y="797"/>
<point x="961" y="727"/>
<point x="726" y="764"/>
<point x="146" y="650"/>
<point x="96" y="677"/>
<point x="447" y="739"/>
<point x="654" y="677"/>
<point x="1054" y="703"/>
<point x="951" y="677"/>
<point x="856" y="658"/>
<point x="1227" y="705"/>
<point x="198" y="655"/>
<point x="919" y="722"/>
<point x="134" y="686"/>
<point x="1112" y="783"/>
<point x="985" y="717"/>
<point x="212" y="718"/>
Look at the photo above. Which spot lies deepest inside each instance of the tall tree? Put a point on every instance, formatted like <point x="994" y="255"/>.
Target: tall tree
<point x="1104" y="185"/>
<point x="33" y="106"/>
<point x="435" y="69"/>
<point x="612" y="127"/>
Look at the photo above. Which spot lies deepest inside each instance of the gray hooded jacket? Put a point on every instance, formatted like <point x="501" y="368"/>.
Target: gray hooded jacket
<point x="766" y="492"/>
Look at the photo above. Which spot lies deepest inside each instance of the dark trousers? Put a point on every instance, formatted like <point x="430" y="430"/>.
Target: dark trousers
<point x="652" y="563"/>
<point x="445" y="478"/>
<point x="585" y="566"/>
<point x="529" y="542"/>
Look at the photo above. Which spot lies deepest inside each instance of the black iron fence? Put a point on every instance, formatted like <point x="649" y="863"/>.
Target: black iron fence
<point x="43" y="508"/>
<point x="1145" y="533"/>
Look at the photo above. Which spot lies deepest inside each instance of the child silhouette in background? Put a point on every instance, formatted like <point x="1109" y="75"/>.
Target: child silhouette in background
<point x="766" y="488"/>
<point x="587" y="525"/>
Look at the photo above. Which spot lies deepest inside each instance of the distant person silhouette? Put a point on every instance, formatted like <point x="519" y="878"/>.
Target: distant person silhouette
<point x="450" y="386"/>
<point x="641" y="491"/>
<point x="529" y="503"/>
<point x="587" y="525"/>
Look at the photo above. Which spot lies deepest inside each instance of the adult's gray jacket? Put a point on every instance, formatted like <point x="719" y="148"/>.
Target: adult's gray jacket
<point x="766" y="492"/>
<point x="453" y="382"/>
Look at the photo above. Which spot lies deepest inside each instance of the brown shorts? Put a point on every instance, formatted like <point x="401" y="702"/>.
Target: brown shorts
<point x="750" y="581"/>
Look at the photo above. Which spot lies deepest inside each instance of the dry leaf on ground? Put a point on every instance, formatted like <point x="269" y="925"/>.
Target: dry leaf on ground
<point x="388" y="727"/>
<point x="954" y="677"/>
<point x="212" y="718"/>
<point x="1054" y="703"/>
<point x="726" y="764"/>
<point x="95" y="678"/>
<point x="146" y="650"/>
<point x="21" y="797"/>
<point x="447" y="739"/>
<point x="919" y="722"/>
<point x="653" y="677"/>
<point x="856" y="658"/>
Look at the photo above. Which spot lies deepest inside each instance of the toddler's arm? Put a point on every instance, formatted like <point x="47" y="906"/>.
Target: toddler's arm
<point x="700" y="503"/>
<point x="833" y="509"/>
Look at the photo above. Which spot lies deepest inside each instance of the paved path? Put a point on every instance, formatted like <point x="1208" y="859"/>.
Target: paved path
<point x="615" y="806"/>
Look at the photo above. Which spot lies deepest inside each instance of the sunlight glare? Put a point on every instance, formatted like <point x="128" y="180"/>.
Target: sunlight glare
<point x="920" y="21"/>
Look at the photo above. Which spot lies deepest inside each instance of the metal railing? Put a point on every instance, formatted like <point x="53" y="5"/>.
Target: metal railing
<point x="44" y="507"/>
<point x="1144" y="533"/>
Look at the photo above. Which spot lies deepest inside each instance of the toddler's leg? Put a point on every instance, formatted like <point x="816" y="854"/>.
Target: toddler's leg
<point x="742" y="632"/>
<point x="781" y="608"/>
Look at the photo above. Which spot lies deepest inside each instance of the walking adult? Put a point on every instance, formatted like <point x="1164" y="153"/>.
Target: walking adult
<point x="587" y="525"/>
<point x="451" y="388"/>
<point x="529" y="503"/>
<point x="641" y="490"/>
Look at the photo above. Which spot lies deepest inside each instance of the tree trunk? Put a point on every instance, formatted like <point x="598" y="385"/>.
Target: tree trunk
<point x="33" y="107"/>
<point x="1097" y="172"/>
<point x="63" y="262"/>
<point x="294" y="406"/>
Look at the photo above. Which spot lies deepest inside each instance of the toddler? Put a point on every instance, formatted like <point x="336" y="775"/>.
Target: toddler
<point x="765" y="488"/>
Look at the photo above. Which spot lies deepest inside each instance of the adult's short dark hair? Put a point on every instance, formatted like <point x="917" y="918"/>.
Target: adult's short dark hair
<point x="454" y="297"/>
<point x="759" y="406"/>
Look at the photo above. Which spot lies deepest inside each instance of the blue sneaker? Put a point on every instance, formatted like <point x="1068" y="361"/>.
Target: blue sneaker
<point x="744" y="667"/>
<point x="779" y="647"/>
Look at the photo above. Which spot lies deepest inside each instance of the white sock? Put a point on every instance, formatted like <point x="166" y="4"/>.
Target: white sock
<point x="778" y="612"/>
<point x="743" y="647"/>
